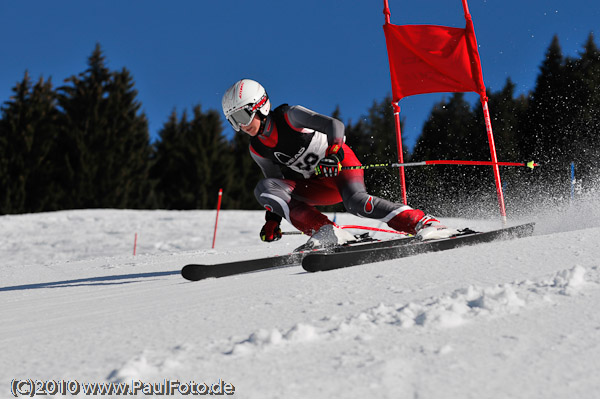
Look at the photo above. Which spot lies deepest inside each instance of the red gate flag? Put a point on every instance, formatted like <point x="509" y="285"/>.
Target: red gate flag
<point x="432" y="59"/>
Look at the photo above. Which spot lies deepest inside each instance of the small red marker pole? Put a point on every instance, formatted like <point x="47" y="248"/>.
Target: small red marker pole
<point x="134" y="244"/>
<point x="217" y="219"/>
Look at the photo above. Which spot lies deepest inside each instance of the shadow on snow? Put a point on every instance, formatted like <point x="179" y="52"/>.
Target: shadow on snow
<point x="104" y="280"/>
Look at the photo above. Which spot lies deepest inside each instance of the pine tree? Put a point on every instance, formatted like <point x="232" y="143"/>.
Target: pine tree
<point x="447" y="134"/>
<point x="192" y="161"/>
<point x="549" y="113"/>
<point x="506" y="113"/>
<point x="28" y="132"/>
<point x="246" y="175"/>
<point x="132" y="144"/>
<point x="213" y="148"/>
<point x="105" y="137"/>
<point x="585" y="143"/>
<point x="167" y="162"/>
<point x="373" y="139"/>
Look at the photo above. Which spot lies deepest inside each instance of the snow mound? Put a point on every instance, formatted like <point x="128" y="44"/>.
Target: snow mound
<point x="149" y="364"/>
<point x="471" y="303"/>
<point x="569" y="280"/>
<point x="447" y="311"/>
<point x="265" y="338"/>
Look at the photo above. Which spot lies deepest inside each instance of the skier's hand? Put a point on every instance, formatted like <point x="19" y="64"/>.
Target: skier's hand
<point x="270" y="231"/>
<point x="331" y="165"/>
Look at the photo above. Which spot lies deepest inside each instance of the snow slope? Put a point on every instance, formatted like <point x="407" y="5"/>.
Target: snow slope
<point x="512" y="319"/>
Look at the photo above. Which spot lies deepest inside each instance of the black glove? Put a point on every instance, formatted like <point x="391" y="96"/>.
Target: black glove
<point x="271" y="230"/>
<point x="331" y="165"/>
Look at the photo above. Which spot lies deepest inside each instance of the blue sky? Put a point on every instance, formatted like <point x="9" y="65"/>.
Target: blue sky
<point x="318" y="53"/>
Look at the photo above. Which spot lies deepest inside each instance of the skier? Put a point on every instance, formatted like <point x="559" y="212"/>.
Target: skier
<point x="298" y="139"/>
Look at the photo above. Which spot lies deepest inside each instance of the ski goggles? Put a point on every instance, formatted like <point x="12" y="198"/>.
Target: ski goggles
<point x="246" y="114"/>
<point x="241" y="117"/>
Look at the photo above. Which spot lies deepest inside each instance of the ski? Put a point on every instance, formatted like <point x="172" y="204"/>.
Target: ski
<point x="370" y="254"/>
<point x="195" y="272"/>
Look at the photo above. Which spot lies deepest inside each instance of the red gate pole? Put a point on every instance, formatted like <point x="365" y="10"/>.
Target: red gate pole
<point x="134" y="243"/>
<point x="400" y="151"/>
<point x="217" y="219"/>
<point x="490" y="136"/>
<point x="386" y="11"/>
<point x="486" y="114"/>
<point x="396" y="107"/>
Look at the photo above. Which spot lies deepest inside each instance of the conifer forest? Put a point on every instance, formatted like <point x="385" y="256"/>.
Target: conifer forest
<point x="86" y="144"/>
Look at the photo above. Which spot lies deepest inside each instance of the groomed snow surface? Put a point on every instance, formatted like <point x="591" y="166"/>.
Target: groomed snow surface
<point x="510" y="319"/>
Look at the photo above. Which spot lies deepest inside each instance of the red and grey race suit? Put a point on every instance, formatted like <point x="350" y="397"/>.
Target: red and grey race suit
<point x="296" y="138"/>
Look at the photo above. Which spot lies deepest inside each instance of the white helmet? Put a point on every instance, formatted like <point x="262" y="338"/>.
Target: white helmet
<point x="242" y="101"/>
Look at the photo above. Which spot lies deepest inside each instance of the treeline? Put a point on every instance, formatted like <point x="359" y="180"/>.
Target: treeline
<point x="86" y="144"/>
<point x="555" y="124"/>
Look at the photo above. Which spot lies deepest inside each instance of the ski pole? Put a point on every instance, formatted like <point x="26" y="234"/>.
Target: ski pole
<point x="352" y="227"/>
<point x="530" y="164"/>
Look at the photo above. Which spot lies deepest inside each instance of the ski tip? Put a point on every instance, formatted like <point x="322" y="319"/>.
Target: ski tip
<point x="185" y="272"/>
<point x="193" y="273"/>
